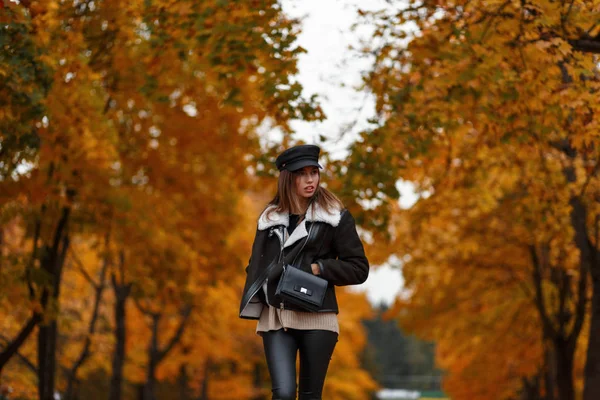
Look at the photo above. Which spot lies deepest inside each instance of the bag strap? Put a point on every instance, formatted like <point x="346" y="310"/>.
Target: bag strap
<point x="312" y="230"/>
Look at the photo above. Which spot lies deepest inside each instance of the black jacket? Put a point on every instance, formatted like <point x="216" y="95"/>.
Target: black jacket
<point x="333" y="243"/>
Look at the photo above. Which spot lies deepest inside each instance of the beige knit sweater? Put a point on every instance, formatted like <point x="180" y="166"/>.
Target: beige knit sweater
<point x="272" y="319"/>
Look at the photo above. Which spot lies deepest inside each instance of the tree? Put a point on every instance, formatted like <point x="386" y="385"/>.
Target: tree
<point x="397" y="356"/>
<point x="489" y="110"/>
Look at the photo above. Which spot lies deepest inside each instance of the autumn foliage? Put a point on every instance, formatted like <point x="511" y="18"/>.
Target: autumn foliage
<point x="131" y="174"/>
<point x="126" y="206"/>
<point x="491" y="109"/>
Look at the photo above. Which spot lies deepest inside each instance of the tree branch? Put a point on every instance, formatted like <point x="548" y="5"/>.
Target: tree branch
<point x="34" y="251"/>
<point x="185" y="314"/>
<point x="14" y="345"/>
<point x="83" y="271"/>
<point x="145" y="310"/>
<point x="589" y="31"/>
<point x="564" y="17"/>
<point x="539" y="294"/>
<point x="589" y="178"/>
<point x="28" y="363"/>
<point x="585" y="45"/>
<point x="582" y="300"/>
<point x="564" y="290"/>
<point x="60" y="231"/>
<point x="493" y="17"/>
<point x="85" y="351"/>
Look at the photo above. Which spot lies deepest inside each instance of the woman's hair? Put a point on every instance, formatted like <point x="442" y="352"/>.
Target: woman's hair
<point x="286" y="200"/>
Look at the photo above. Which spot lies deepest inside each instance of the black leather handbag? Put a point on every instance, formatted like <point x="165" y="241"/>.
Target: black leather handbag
<point x="301" y="288"/>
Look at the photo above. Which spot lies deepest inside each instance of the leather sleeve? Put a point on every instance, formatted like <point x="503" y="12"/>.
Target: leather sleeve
<point x="251" y="252"/>
<point x="351" y="266"/>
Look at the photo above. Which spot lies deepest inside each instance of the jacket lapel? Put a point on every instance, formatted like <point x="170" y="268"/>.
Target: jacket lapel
<point x="298" y="234"/>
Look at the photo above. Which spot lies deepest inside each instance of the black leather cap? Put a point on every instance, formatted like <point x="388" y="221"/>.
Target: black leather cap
<point x="298" y="157"/>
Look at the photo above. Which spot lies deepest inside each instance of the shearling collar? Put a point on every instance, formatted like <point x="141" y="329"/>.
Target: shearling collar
<point x="313" y="214"/>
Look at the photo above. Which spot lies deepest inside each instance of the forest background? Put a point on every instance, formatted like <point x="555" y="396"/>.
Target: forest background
<point x="132" y="170"/>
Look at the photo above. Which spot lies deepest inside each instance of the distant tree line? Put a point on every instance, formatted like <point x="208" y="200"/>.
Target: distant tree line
<point x="398" y="360"/>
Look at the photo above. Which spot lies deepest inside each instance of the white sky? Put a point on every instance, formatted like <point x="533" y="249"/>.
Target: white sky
<point x="332" y="71"/>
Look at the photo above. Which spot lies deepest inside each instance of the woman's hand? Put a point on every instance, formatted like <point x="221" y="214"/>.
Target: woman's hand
<point x="315" y="269"/>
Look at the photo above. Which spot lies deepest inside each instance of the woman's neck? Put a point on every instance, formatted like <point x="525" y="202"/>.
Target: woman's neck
<point x="303" y="206"/>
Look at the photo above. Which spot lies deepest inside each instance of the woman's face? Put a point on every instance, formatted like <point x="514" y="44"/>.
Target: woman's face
<point x="307" y="181"/>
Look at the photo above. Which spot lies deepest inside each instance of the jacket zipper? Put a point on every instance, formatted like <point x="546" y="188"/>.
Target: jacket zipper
<point x="280" y="236"/>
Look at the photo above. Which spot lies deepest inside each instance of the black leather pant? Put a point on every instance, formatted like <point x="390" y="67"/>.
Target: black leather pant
<point x="315" y="347"/>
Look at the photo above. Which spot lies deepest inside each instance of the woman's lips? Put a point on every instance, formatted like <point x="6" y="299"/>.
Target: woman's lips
<point x="309" y="188"/>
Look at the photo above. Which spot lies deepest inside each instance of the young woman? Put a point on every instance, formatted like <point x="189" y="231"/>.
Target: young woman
<point x="307" y="226"/>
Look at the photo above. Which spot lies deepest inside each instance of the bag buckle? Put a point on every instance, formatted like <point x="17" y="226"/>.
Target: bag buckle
<point x="303" y="290"/>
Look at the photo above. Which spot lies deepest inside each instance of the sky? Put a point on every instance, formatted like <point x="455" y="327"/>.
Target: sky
<point x="332" y="71"/>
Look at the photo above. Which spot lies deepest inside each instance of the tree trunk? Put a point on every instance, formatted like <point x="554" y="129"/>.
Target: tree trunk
<point x="140" y="391"/>
<point x="257" y="382"/>
<point x="122" y="291"/>
<point x="592" y="366"/>
<point x="47" y="360"/>
<point x="589" y="264"/>
<point x="257" y="377"/>
<point x="183" y="383"/>
<point x="530" y="389"/>
<point x="156" y="354"/>
<point x="564" y="352"/>
<point x="204" y="390"/>
<point x="550" y="375"/>
<point x="561" y="343"/>
<point x="148" y="391"/>
<point x="52" y="262"/>
<point x="153" y="354"/>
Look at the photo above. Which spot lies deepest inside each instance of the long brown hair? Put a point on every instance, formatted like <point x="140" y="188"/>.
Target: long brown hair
<point x="286" y="200"/>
